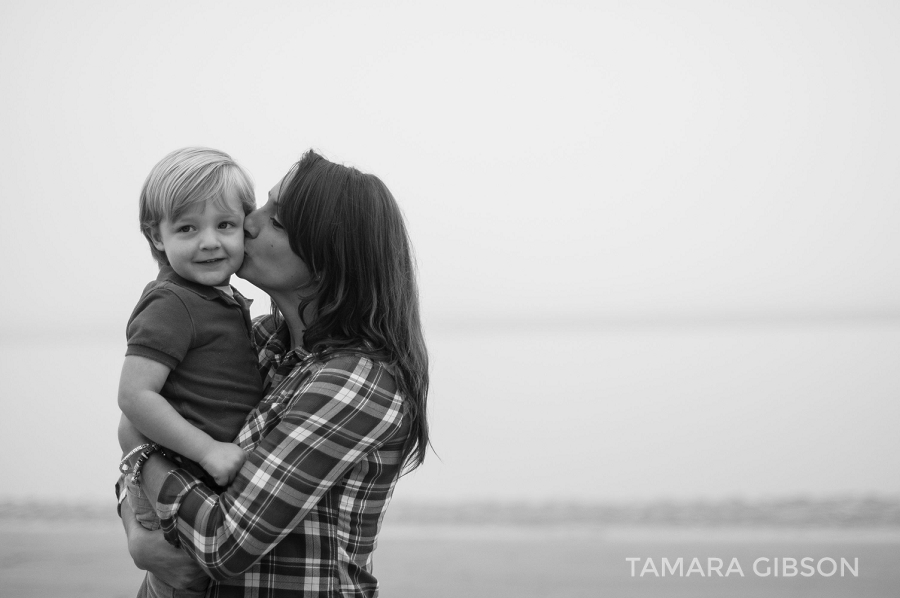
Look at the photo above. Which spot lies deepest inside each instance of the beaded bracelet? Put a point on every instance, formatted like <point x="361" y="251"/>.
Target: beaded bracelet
<point x="124" y="465"/>
<point x="139" y="464"/>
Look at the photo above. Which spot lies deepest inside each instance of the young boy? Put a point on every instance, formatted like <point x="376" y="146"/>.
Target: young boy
<point x="190" y="375"/>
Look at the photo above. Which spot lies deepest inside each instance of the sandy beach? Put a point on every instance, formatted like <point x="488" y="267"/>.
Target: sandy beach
<point x="40" y="558"/>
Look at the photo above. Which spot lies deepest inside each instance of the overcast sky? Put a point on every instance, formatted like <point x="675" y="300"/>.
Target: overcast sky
<point x="556" y="161"/>
<point x="606" y="159"/>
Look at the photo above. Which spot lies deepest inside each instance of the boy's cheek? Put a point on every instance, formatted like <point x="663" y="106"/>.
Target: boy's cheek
<point x="238" y="253"/>
<point x="236" y="242"/>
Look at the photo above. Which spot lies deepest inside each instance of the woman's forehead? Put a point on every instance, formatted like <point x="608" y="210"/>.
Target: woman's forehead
<point x="275" y="191"/>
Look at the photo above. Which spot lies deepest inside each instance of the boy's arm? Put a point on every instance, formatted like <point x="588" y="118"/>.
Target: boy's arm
<point x="140" y="401"/>
<point x="129" y="436"/>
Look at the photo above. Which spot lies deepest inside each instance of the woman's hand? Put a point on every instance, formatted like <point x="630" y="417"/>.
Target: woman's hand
<point x="153" y="553"/>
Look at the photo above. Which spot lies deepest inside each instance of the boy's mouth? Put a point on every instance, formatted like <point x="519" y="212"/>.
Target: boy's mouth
<point x="212" y="261"/>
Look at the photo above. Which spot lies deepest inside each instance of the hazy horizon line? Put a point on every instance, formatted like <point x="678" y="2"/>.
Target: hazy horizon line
<point x="551" y="321"/>
<point x="843" y="511"/>
<point x="674" y="319"/>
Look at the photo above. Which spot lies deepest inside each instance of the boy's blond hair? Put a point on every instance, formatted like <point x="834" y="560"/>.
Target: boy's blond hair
<point x="185" y="178"/>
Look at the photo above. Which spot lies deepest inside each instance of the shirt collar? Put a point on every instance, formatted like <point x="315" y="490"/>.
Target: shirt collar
<point x="278" y="346"/>
<point x="167" y="273"/>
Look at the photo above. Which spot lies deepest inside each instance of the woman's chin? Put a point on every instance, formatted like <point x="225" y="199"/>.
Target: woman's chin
<point x="247" y="274"/>
<point x="243" y="270"/>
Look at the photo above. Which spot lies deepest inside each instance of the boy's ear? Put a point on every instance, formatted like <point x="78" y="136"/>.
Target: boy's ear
<point x="156" y="238"/>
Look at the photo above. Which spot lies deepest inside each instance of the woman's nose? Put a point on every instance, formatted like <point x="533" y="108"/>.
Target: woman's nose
<point x="251" y="224"/>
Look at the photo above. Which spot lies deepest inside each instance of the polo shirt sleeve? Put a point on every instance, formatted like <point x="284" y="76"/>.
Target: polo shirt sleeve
<point x="160" y="328"/>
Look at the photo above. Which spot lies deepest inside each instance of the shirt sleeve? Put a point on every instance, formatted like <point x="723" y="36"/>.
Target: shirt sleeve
<point x="347" y="410"/>
<point x="160" y="328"/>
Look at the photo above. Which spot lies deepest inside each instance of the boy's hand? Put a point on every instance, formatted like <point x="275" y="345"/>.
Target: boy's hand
<point x="223" y="461"/>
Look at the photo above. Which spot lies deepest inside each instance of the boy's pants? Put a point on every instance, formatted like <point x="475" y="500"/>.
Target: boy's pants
<point x="154" y="587"/>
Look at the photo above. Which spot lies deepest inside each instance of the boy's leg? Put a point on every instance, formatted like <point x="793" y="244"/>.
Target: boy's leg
<point x="140" y="504"/>
<point x="154" y="587"/>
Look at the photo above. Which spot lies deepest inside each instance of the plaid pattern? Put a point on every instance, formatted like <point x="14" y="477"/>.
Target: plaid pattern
<point x="303" y="515"/>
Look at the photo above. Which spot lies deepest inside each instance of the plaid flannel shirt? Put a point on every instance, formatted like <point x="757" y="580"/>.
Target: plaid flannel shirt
<point x="303" y="515"/>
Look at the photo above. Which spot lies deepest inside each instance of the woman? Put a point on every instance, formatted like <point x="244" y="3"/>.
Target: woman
<point x="346" y="376"/>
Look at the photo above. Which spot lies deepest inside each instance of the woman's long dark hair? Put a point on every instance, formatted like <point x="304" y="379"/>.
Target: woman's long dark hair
<point x="348" y="229"/>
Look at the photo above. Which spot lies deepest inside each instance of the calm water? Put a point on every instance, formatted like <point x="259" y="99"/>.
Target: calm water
<point x="534" y="415"/>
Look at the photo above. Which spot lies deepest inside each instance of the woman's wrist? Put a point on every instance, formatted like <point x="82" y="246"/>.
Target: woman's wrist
<point x="129" y="462"/>
<point x="136" y="468"/>
<point x="153" y="475"/>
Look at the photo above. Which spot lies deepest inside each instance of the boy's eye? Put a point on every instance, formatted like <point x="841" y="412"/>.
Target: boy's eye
<point x="226" y="225"/>
<point x="276" y="224"/>
<point x="185" y="229"/>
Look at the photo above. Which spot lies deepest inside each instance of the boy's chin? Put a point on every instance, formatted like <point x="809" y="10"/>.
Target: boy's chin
<point x="221" y="283"/>
<point x="212" y="281"/>
<point x="209" y="277"/>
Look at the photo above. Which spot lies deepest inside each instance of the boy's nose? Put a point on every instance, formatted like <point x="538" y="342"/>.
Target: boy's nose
<point x="209" y="240"/>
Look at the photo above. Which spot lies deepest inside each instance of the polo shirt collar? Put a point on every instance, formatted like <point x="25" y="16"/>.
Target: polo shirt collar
<point x="167" y="273"/>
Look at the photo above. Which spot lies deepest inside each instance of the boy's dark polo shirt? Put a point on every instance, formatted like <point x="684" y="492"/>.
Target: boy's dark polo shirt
<point x="204" y="337"/>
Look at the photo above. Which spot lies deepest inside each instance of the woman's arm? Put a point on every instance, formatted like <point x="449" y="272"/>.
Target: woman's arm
<point x="151" y="552"/>
<point x="347" y="410"/>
